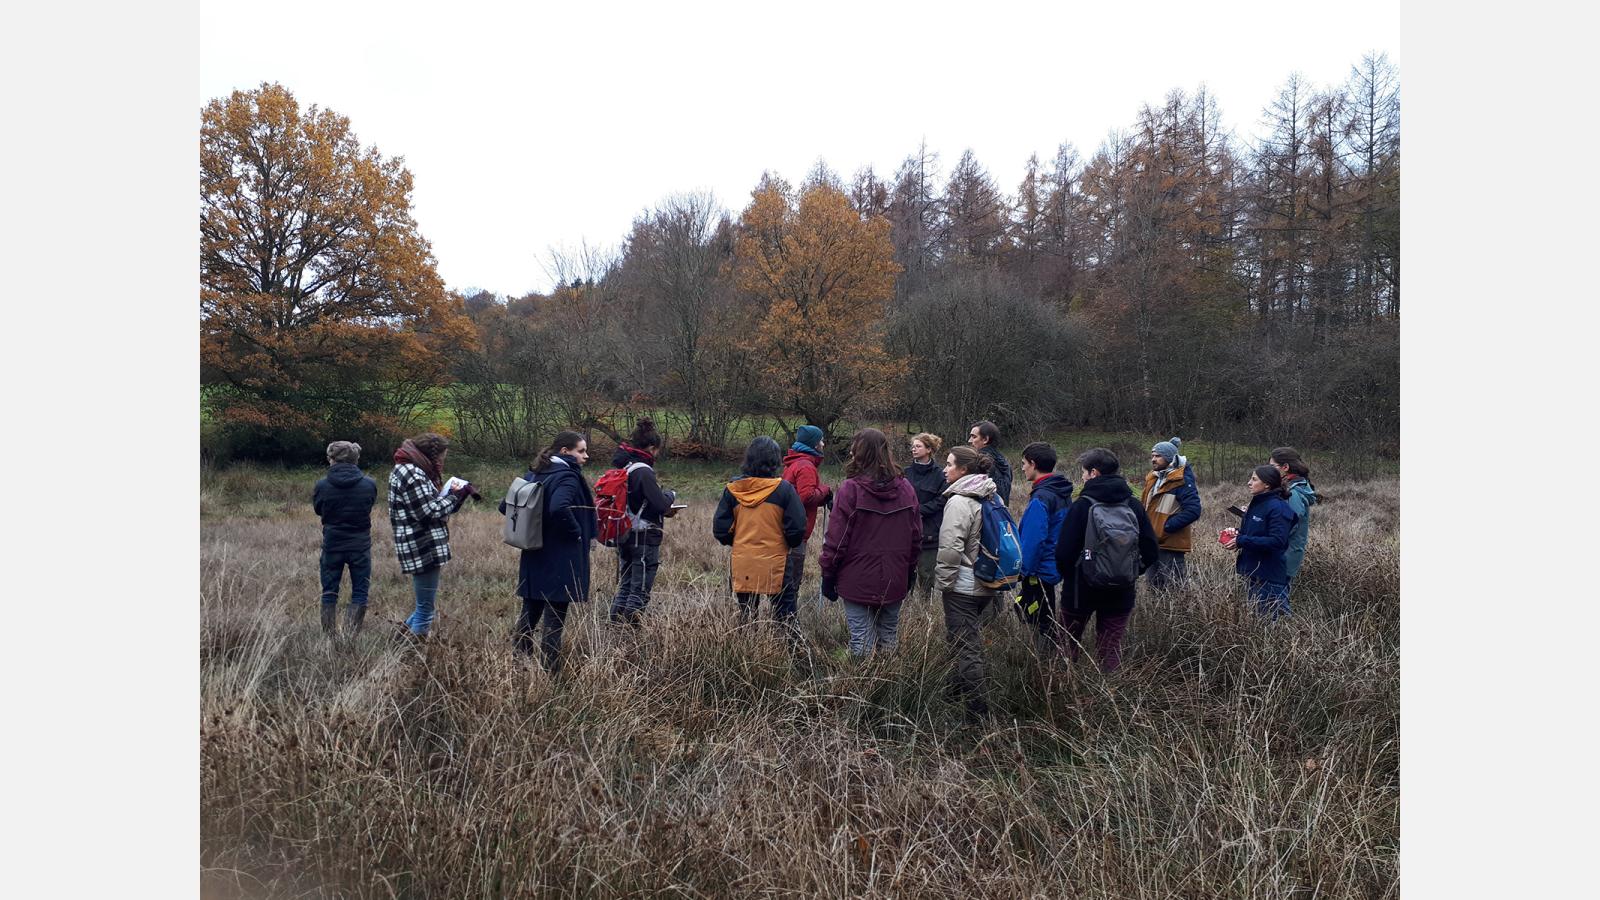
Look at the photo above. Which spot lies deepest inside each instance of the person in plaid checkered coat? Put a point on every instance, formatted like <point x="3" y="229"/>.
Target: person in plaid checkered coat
<point x="419" y="515"/>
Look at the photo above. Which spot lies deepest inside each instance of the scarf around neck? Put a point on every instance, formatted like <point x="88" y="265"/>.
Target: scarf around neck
<point x="648" y="456"/>
<point x="408" y="453"/>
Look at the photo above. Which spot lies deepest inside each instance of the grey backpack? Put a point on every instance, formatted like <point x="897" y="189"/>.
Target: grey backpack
<point x="524" y="528"/>
<point x="1110" y="546"/>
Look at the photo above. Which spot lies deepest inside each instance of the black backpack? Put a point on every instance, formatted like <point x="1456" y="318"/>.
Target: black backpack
<point x="1110" y="546"/>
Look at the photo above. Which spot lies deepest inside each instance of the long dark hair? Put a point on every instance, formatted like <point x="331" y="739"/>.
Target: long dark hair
<point x="1289" y="456"/>
<point x="1273" y="479"/>
<point x="566" y="440"/>
<point x="762" y="459"/>
<point x="870" y="456"/>
<point x="971" y="461"/>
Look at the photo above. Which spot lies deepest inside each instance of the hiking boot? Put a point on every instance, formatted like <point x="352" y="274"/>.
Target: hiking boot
<point x="328" y="611"/>
<point x="353" y="617"/>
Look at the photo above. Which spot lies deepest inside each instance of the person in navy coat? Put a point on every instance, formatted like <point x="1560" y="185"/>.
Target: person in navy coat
<point x="556" y="575"/>
<point x="1263" y="540"/>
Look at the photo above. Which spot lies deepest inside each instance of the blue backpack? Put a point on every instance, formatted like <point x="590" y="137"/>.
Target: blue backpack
<point x="999" y="563"/>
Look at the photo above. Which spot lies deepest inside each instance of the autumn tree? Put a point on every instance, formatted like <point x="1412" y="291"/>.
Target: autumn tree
<point x="321" y="310"/>
<point x="823" y="276"/>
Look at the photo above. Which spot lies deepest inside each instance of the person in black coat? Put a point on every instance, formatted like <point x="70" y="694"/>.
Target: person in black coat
<point x="926" y="474"/>
<point x="639" y="553"/>
<point x="1111" y="607"/>
<point x="985" y="438"/>
<point x="344" y="499"/>
<point x="556" y="575"/>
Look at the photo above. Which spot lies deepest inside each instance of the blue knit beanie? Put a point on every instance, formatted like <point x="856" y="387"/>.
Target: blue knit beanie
<point x="810" y="435"/>
<point x="1168" y="450"/>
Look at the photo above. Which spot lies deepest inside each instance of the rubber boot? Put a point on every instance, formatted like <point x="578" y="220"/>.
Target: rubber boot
<point x="328" y="610"/>
<point x="352" y="619"/>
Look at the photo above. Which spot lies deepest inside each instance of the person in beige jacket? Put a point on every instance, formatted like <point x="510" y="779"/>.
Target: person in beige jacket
<point x="968" y="606"/>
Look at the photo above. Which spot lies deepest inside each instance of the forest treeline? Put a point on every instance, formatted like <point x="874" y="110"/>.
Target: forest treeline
<point x="1180" y="279"/>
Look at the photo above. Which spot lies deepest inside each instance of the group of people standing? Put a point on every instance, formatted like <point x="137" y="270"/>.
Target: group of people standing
<point x="888" y="534"/>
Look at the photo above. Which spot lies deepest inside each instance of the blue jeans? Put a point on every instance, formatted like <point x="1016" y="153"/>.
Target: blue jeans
<point x="637" y="563"/>
<point x="333" y="564"/>
<point x="426" y="587"/>
<point x="1270" y="600"/>
<point x="872" y="626"/>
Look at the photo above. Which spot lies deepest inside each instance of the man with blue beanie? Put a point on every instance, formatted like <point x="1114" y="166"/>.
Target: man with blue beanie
<point x="1172" y="501"/>
<point x="800" y="469"/>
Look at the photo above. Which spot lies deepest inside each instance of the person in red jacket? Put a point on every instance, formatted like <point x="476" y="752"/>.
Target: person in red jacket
<point x="800" y="470"/>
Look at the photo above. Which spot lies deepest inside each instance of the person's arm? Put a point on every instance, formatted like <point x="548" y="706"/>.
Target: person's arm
<point x="952" y="544"/>
<point x="837" y="539"/>
<point x="656" y="502"/>
<point x="794" y="515"/>
<point x="316" y="497"/>
<point x="1030" y="532"/>
<point x="808" y="486"/>
<point x="1276" y="540"/>
<point x="421" y="495"/>
<point x="1069" y="544"/>
<point x="932" y="506"/>
<point x="1188" y="497"/>
<point x="562" y="507"/>
<point x="1148" y="545"/>
<point x="722" y="519"/>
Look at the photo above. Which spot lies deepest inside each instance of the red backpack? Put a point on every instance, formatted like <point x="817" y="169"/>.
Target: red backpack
<point x="611" y="506"/>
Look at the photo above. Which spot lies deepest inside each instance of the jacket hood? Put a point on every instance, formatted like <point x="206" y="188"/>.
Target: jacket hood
<point x="885" y="496"/>
<point x="752" y="492"/>
<point x="793" y="455"/>
<point x="1107" y="489"/>
<point x="1053" y="483"/>
<point x="344" y="475"/>
<point x="1305" y="489"/>
<point x="978" y="487"/>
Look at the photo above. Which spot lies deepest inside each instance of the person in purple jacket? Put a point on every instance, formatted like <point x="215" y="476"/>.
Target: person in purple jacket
<point x="1262" y="541"/>
<point x="869" y="553"/>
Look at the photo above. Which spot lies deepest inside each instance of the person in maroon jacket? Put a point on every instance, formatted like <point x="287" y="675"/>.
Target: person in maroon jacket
<point x="869" y="553"/>
<point x="800" y="470"/>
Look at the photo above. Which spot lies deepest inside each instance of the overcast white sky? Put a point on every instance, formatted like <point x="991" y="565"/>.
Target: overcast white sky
<point x="529" y="125"/>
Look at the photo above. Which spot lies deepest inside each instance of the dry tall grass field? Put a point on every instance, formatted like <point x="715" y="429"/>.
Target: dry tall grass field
<point x="695" y="758"/>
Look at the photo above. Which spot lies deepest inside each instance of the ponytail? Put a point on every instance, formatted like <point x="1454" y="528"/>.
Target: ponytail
<point x="1273" y="479"/>
<point x="1288" y="456"/>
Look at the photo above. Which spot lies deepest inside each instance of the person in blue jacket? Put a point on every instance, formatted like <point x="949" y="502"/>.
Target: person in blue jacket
<point x="556" y="575"/>
<point x="1048" y="499"/>
<point x="1262" y="541"/>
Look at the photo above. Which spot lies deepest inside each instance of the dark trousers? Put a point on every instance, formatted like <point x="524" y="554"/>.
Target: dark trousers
<point x="637" y="563"/>
<point x="1270" y="600"/>
<point x="1037" y="591"/>
<point x="794" y="570"/>
<point x="964" y="618"/>
<point x="554" y="615"/>
<point x="926" y="560"/>
<point x="1171" y="568"/>
<point x="1108" y="632"/>
<point x="333" y="565"/>
<point x="750" y="607"/>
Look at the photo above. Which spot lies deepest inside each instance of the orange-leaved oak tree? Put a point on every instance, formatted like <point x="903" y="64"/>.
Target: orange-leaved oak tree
<point x="823" y="275"/>
<point x="322" y="313"/>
